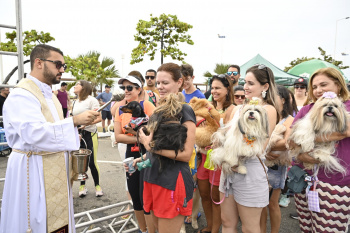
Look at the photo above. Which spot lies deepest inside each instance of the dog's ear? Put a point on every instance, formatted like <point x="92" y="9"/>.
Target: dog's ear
<point x="240" y="127"/>
<point x="343" y="119"/>
<point x="125" y="109"/>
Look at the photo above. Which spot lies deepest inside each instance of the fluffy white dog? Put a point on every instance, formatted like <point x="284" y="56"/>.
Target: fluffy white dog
<point x="327" y="116"/>
<point x="243" y="137"/>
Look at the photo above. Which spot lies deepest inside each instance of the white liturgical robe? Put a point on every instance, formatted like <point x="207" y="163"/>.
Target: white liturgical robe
<point x="27" y="130"/>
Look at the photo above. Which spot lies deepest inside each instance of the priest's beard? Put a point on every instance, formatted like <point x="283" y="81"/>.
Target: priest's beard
<point x="51" y="77"/>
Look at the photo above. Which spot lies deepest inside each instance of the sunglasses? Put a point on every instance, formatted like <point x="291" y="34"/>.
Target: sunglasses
<point x="150" y="77"/>
<point x="229" y="73"/>
<point x="240" y="97"/>
<point x="300" y="87"/>
<point x="128" y="87"/>
<point x="263" y="67"/>
<point x="58" y="64"/>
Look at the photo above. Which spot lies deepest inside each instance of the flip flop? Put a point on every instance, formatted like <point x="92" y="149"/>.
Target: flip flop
<point x="188" y="219"/>
<point x="201" y="231"/>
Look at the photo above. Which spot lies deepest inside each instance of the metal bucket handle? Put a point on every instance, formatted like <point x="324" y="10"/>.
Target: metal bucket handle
<point x="84" y="141"/>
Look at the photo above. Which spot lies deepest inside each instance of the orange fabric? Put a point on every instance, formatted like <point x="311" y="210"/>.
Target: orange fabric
<point x="125" y="118"/>
<point x="166" y="203"/>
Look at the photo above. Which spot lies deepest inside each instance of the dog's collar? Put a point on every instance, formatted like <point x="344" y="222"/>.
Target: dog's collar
<point x="249" y="140"/>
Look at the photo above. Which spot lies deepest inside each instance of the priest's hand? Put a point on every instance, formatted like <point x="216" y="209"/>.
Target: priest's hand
<point x="85" y="118"/>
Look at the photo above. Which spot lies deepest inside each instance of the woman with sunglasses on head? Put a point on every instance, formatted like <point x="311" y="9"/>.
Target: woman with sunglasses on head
<point x="333" y="188"/>
<point x="238" y="94"/>
<point x="246" y="195"/>
<point x="125" y="134"/>
<point x="84" y="102"/>
<point x="300" y="92"/>
<point x="277" y="173"/>
<point x="222" y="100"/>
<point x="168" y="192"/>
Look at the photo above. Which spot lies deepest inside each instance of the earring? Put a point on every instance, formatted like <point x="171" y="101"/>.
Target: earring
<point x="263" y="94"/>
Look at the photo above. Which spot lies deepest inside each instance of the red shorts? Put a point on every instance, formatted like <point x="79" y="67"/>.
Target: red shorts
<point x="166" y="203"/>
<point x="206" y="174"/>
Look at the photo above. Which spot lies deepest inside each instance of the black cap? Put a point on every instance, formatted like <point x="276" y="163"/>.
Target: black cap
<point x="300" y="81"/>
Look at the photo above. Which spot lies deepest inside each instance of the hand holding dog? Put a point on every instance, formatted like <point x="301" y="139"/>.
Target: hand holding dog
<point x="145" y="140"/>
<point x="130" y="130"/>
<point x="306" y="158"/>
<point x="271" y="156"/>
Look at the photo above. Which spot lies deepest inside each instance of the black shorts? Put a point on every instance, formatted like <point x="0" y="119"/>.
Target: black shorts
<point x="106" y="114"/>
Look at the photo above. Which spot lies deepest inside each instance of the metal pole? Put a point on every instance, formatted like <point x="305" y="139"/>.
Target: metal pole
<point x="19" y="39"/>
<point x="335" y="39"/>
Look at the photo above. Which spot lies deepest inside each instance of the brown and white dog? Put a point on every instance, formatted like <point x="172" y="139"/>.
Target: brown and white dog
<point x="327" y="116"/>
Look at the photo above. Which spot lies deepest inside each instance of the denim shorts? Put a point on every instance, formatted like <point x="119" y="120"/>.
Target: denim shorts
<point x="277" y="176"/>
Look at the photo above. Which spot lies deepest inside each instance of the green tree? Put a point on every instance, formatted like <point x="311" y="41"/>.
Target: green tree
<point x="89" y="67"/>
<point x="165" y="30"/>
<point x="220" y="68"/>
<point x="30" y="40"/>
<point x="325" y="57"/>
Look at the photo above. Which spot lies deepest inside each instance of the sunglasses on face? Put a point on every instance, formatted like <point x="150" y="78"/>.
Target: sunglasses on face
<point x="240" y="97"/>
<point x="263" y="67"/>
<point x="300" y="87"/>
<point x="58" y="64"/>
<point x="128" y="87"/>
<point x="229" y="73"/>
<point x="150" y="77"/>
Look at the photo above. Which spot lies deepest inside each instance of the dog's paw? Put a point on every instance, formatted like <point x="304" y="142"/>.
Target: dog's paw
<point x="242" y="169"/>
<point x="183" y="228"/>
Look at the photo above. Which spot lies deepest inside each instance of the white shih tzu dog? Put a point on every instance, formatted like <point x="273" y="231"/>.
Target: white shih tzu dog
<point x="327" y="116"/>
<point x="243" y="137"/>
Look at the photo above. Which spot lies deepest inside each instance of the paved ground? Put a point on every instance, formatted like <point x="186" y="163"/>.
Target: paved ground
<point x="112" y="181"/>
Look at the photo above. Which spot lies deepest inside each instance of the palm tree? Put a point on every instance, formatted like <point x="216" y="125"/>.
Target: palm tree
<point x="88" y="67"/>
<point x="220" y="68"/>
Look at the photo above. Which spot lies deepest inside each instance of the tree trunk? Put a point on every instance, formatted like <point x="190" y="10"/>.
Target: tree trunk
<point x="12" y="72"/>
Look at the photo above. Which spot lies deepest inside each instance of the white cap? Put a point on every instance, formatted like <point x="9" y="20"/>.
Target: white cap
<point x="131" y="79"/>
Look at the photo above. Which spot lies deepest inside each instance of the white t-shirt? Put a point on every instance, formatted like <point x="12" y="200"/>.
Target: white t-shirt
<point x="90" y="103"/>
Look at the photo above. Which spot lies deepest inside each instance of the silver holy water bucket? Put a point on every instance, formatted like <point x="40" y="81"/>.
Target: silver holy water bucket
<point x="80" y="162"/>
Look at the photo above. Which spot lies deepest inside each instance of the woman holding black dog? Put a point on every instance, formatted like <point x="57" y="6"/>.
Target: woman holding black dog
<point x="333" y="188"/>
<point x="168" y="185"/>
<point x="125" y="134"/>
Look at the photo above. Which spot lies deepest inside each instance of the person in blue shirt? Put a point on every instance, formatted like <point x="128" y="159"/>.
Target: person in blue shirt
<point x="189" y="90"/>
<point x="106" y="112"/>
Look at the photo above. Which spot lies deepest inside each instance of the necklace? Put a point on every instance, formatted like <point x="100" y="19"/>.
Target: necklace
<point x="249" y="140"/>
<point x="220" y="111"/>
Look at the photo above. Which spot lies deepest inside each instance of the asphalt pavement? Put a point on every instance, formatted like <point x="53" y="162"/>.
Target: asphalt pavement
<point x="112" y="181"/>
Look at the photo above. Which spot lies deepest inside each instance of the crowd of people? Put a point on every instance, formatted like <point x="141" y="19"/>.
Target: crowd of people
<point x="163" y="193"/>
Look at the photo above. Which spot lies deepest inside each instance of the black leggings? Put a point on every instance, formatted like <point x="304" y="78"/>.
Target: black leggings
<point x="87" y="136"/>
<point x="134" y="181"/>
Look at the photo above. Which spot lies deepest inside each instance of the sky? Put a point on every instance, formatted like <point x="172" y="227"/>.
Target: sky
<point x="280" y="31"/>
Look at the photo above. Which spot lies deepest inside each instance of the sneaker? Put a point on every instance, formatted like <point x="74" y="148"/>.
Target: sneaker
<point x="294" y="215"/>
<point x="284" y="201"/>
<point x="99" y="192"/>
<point x="82" y="191"/>
<point x="104" y="130"/>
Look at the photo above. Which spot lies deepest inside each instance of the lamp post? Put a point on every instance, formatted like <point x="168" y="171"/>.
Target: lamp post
<point x="335" y="40"/>
<point x="221" y="37"/>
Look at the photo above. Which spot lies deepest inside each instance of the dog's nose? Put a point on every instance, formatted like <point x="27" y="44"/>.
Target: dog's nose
<point x="330" y="108"/>
<point x="251" y="113"/>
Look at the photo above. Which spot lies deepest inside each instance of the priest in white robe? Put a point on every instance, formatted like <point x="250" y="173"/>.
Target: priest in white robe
<point x="41" y="142"/>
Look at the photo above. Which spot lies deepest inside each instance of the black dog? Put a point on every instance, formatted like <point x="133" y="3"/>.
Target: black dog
<point x="139" y="118"/>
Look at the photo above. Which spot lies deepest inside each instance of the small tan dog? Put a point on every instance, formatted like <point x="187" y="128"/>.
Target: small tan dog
<point x="243" y="137"/>
<point x="327" y="116"/>
<point x="284" y="158"/>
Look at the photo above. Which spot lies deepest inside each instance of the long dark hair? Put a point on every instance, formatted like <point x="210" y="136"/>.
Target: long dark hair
<point x="287" y="106"/>
<point x="85" y="91"/>
<point x="224" y="79"/>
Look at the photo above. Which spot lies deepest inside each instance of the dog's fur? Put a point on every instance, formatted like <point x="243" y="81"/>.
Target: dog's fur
<point x="136" y="110"/>
<point x="327" y="116"/>
<point x="230" y="146"/>
<point x="168" y="132"/>
<point x="284" y="158"/>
